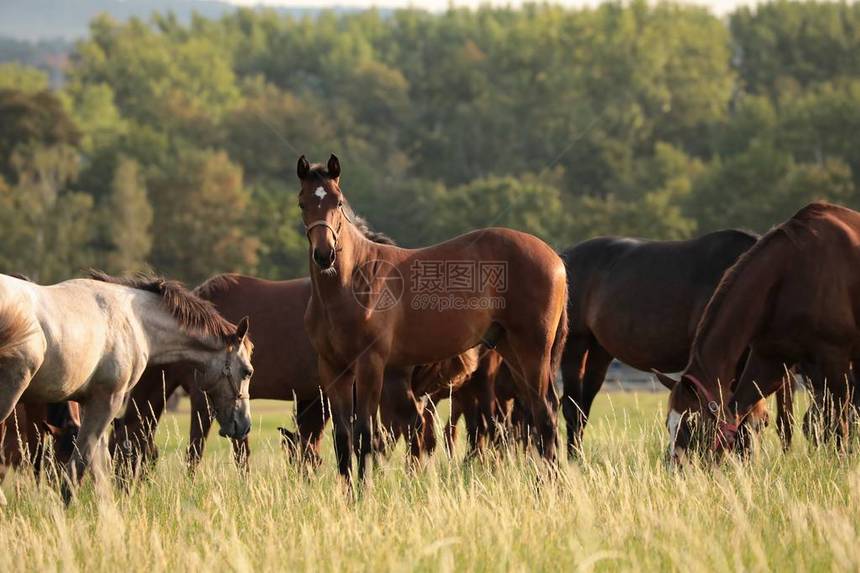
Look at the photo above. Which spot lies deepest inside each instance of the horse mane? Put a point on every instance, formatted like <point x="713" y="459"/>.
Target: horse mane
<point x="193" y="314"/>
<point x="800" y="221"/>
<point x="215" y="285"/>
<point x="377" y="237"/>
<point x="14" y="327"/>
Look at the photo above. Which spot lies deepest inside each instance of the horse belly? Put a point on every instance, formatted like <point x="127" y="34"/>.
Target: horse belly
<point x="643" y="333"/>
<point x="68" y="369"/>
<point x="437" y="338"/>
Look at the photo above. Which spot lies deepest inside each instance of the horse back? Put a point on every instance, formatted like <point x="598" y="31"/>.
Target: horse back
<point x="642" y="299"/>
<point x="93" y="335"/>
<point x="285" y="363"/>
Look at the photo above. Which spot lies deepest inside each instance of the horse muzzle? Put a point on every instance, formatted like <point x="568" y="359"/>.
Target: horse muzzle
<point x="237" y="427"/>
<point x="324" y="258"/>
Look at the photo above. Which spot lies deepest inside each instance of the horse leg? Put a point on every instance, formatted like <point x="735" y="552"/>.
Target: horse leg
<point x="785" y="412"/>
<point x="485" y="411"/>
<point x="369" y="374"/>
<point x="836" y="375"/>
<point x="430" y="443"/>
<point x="15" y="375"/>
<point x="401" y="413"/>
<point x="453" y="420"/>
<point x="339" y="385"/>
<point x="201" y="423"/>
<point x="532" y="374"/>
<point x="135" y="450"/>
<point x="92" y="444"/>
<point x="311" y="419"/>
<point x="596" y="365"/>
<point x="474" y="430"/>
<point x="572" y="363"/>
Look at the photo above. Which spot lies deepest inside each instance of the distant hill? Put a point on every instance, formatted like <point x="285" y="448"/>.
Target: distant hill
<point x="69" y="19"/>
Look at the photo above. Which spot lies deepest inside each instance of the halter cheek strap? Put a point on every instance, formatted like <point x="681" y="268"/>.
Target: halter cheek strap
<point x="237" y="388"/>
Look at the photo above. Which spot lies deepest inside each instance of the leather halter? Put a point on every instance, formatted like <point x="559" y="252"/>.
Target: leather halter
<point x="237" y="388"/>
<point x="726" y="431"/>
<point x="323" y="223"/>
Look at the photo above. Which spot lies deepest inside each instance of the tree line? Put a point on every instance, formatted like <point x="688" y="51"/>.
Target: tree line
<point x="172" y="147"/>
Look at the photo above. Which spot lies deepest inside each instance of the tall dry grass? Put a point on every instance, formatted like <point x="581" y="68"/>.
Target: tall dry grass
<point x="619" y="508"/>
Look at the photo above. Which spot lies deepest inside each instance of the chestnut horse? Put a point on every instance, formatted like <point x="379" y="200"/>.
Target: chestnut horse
<point x="377" y="306"/>
<point x="639" y="301"/>
<point x="793" y="299"/>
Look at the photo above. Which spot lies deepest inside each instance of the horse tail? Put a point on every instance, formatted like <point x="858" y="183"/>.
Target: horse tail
<point x="560" y="336"/>
<point x="14" y="329"/>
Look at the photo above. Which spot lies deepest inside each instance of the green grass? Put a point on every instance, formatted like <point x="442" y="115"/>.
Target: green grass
<point x="617" y="509"/>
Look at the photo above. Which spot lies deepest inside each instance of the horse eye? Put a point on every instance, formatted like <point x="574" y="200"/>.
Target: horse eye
<point x="301" y="205"/>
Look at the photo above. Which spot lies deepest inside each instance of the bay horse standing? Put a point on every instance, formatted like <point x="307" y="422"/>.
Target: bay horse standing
<point x="640" y="301"/>
<point x="89" y="340"/>
<point x="793" y="299"/>
<point x="365" y="312"/>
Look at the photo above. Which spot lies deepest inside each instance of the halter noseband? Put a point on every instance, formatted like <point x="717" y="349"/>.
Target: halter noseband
<point x="726" y="431"/>
<point x="323" y="223"/>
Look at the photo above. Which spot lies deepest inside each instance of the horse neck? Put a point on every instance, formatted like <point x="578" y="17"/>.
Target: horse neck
<point x="169" y="342"/>
<point x="736" y="316"/>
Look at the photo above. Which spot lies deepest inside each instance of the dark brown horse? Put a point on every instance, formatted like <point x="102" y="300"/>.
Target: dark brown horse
<point x="793" y="299"/>
<point x="638" y="301"/>
<point x="377" y="306"/>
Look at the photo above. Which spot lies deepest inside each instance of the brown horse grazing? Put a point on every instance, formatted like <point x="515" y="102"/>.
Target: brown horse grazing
<point x="638" y="301"/>
<point x="24" y="435"/>
<point x="365" y="314"/>
<point x="793" y="299"/>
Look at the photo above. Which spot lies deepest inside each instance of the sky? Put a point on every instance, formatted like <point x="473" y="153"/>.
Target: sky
<point x="718" y="6"/>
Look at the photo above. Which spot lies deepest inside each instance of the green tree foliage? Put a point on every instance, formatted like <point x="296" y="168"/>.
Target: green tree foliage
<point x="173" y="146"/>
<point x="200" y="205"/>
<point x="127" y="217"/>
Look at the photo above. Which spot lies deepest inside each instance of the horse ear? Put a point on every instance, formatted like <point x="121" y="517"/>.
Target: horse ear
<point x="303" y="168"/>
<point x="665" y="379"/>
<point x="333" y="167"/>
<point x="242" y="329"/>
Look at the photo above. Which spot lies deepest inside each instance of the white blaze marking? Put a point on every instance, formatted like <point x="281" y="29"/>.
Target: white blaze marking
<point x="320" y="192"/>
<point x="673" y="422"/>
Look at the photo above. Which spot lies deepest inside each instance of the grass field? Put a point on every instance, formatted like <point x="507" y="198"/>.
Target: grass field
<point x="617" y="509"/>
